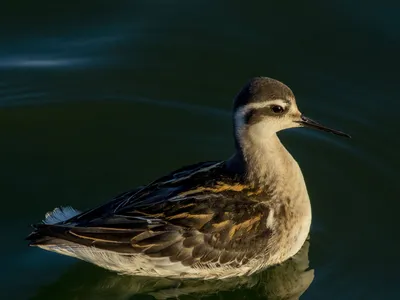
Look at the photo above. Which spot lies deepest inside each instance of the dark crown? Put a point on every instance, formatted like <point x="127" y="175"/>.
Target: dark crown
<point x="260" y="89"/>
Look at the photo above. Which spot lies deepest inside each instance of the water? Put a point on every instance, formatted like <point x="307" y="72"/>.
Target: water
<point x="99" y="97"/>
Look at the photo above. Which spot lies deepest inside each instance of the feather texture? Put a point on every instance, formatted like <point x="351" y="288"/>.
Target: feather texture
<point x="208" y="220"/>
<point x="201" y="216"/>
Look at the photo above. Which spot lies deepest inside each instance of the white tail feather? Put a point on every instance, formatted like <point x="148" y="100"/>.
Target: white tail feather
<point x="60" y="214"/>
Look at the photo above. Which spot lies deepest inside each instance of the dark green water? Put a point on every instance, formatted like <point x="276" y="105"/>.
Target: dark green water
<point x="97" y="97"/>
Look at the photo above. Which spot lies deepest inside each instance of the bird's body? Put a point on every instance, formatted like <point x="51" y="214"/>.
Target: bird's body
<point x="208" y="220"/>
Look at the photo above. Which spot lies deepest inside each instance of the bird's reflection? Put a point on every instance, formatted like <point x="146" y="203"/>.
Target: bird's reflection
<point x="286" y="281"/>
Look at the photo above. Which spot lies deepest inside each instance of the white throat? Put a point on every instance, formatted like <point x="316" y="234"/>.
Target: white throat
<point x="266" y="158"/>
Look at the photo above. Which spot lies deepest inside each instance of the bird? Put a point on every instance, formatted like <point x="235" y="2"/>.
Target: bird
<point x="209" y="220"/>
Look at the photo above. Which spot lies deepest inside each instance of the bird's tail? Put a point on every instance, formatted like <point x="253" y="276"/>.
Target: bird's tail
<point x="51" y="231"/>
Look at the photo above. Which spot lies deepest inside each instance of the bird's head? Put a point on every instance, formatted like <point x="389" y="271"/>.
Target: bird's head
<point x="265" y="106"/>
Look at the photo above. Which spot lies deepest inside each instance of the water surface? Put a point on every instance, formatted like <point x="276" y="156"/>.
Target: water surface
<point x="99" y="97"/>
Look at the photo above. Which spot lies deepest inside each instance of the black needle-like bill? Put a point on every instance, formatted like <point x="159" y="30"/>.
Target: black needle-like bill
<point x="307" y="122"/>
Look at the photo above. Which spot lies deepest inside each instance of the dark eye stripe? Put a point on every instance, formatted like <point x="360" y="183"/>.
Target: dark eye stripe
<point x="256" y="114"/>
<point x="253" y="116"/>
<point x="249" y="115"/>
<point x="277" y="109"/>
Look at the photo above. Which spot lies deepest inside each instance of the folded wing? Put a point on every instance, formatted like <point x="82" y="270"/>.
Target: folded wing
<point x="201" y="215"/>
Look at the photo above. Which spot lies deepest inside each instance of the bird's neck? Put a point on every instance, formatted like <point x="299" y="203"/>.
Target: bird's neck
<point x="265" y="161"/>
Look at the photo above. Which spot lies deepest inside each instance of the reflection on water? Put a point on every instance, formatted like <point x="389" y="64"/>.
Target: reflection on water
<point x="287" y="281"/>
<point x="97" y="97"/>
<point x="26" y="62"/>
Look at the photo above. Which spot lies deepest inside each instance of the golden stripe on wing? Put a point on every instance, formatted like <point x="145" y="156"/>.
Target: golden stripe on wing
<point x="95" y="239"/>
<point x="219" y="188"/>
<point x="246" y="225"/>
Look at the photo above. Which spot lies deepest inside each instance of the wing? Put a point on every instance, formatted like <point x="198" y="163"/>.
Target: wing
<point x="198" y="215"/>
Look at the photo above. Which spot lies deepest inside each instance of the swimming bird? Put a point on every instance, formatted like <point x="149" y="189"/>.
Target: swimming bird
<point x="214" y="219"/>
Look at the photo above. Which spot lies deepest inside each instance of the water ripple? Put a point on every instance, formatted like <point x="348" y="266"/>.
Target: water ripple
<point x="29" y="62"/>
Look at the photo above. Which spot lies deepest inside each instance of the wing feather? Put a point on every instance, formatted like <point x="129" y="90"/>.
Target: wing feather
<point x="198" y="215"/>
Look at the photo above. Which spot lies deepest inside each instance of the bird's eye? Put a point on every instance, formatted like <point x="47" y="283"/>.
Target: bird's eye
<point x="277" y="109"/>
